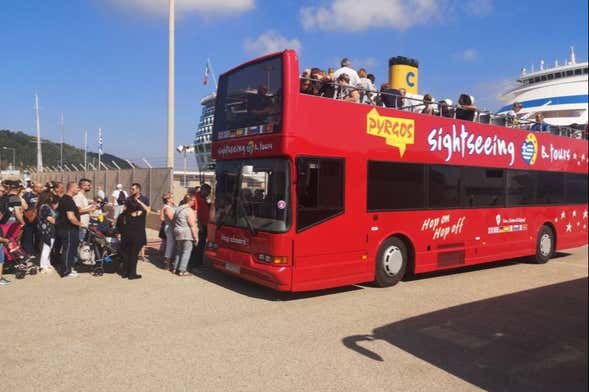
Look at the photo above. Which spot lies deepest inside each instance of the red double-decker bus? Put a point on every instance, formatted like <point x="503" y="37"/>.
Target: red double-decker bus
<point x="314" y="192"/>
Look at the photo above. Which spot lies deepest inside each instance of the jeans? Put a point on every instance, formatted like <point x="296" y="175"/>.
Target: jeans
<point x="83" y="231"/>
<point x="69" y="240"/>
<point x="170" y="242"/>
<point x="183" y="251"/>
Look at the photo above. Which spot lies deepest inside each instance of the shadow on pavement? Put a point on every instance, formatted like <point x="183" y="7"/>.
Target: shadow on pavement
<point x="242" y="286"/>
<point x="481" y="267"/>
<point x="533" y="340"/>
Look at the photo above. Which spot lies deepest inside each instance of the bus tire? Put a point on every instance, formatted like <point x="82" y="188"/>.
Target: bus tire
<point x="544" y="245"/>
<point x="391" y="262"/>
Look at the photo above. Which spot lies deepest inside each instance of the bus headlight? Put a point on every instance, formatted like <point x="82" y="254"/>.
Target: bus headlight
<point x="274" y="260"/>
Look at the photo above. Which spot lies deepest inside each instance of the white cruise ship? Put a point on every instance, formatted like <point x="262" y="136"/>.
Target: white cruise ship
<point x="558" y="92"/>
<point x="202" y="141"/>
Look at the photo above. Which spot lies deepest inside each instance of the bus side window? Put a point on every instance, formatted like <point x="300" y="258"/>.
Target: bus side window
<point x="320" y="190"/>
<point x="576" y="186"/>
<point x="551" y="188"/>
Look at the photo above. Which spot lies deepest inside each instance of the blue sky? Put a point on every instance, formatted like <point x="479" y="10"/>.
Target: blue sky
<point x="103" y="63"/>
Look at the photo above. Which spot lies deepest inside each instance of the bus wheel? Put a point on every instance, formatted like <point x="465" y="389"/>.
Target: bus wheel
<point x="391" y="262"/>
<point x="544" y="245"/>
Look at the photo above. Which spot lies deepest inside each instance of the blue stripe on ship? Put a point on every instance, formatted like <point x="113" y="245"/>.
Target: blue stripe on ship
<point x="553" y="101"/>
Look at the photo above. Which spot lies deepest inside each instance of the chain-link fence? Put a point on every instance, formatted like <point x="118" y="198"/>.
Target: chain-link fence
<point x="154" y="181"/>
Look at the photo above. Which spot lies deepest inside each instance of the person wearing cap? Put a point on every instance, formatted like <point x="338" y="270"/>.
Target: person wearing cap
<point x="346" y="68"/>
<point x="119" y="196"/>
<point x="514" y="114"/>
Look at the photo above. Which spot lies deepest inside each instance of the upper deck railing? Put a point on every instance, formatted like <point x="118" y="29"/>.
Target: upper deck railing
<point x="444" y="109"/>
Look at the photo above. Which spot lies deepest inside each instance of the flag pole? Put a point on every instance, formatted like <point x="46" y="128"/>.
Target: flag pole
<point x="212" y="73"/>
<point x="99" y="147"/>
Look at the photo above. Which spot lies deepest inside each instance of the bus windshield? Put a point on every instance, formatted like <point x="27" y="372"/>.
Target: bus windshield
<point x="253" y="194"/>
<point x="249" y="100"/>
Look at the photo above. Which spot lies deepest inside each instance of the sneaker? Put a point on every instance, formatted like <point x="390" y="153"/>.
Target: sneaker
<point x="4" y="282"/>
<point x="72" y="274"/>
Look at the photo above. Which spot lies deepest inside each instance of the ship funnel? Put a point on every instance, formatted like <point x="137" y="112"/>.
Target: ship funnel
<point x="404" y="73"/>
<point x="573" y="59"/>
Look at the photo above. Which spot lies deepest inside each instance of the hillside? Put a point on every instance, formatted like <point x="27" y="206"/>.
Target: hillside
<point x="26" y="152"/>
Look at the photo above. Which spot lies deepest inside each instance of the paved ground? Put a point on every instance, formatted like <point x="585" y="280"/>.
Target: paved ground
<point x="512" y="326"/>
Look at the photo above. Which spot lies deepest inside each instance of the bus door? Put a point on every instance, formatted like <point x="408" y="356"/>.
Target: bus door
<point x="330" y="243"/>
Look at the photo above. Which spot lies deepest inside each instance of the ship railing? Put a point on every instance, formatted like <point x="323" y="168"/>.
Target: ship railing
<point x="416" y="105"/>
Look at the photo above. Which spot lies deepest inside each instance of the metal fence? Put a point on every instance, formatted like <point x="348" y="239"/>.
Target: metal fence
<point x="154" y="182"/>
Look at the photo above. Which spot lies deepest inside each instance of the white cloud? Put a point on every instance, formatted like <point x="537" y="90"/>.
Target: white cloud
<point x="470" y="55"/>
<point x="479" y="7"/>
<point x="354" y="15"/>
<point x="488" y="94"/>
<point x="270" y="42"/>
<point x="205" y="7"/>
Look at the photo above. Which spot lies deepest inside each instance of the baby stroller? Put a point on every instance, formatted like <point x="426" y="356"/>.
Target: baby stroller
<point x="14" y="255"/>
<point x="100" y="248"/>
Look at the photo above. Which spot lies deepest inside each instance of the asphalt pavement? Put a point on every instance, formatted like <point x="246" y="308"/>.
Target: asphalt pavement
<point x="509" y="326"/>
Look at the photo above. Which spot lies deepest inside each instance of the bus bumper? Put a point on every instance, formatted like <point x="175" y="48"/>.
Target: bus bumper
<point x="243" y="264"/>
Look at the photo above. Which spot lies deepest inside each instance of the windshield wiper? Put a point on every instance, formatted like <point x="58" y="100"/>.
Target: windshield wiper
<point x="250" y="226"/>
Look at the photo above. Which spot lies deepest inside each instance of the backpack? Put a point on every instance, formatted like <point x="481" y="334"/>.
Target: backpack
<point x="121" y="198"/>
<point x="5" y="213"/>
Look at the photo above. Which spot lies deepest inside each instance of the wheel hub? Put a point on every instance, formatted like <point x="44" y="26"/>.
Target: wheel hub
<point x="393" y="260"/>
<point x="545" y="245"/>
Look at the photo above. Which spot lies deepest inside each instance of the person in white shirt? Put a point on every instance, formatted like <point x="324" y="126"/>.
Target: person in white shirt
<point x="367" y="89"/>
<point x="348" y="70"/>
<point x="119" y="196"/>
<point x="514" y="115"/>
<point x="84" y="206"/>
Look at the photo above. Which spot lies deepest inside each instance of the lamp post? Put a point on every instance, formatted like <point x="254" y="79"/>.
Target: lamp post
<point x="183" y="149"/>
<point x="13" y="155"/>
<point x="171" y="82"/>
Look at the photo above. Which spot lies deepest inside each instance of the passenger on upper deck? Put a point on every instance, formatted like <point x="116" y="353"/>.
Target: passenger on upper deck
<point x="323" y="86"/>
<point x="540" y="125"/>
<point x="444" y="105"/>
<point x="390" y="97"/>
<point x="427" y="103"/>
<point x="307" y="87"/>
<point x="513" y="115"/>
<point x="346" y="69"/>
<point x="366" y="86"/>
<point x="344" y="91"/>
<point x="466" y="109"/>
<point x="401" y="100"/>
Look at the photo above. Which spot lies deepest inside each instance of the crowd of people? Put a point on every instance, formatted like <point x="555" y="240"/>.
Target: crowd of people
<point x="359" y="86"/>
<point x="46" y="224"/>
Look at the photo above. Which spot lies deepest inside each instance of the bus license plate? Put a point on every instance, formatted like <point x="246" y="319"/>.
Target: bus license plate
<point x="232" y="267"/>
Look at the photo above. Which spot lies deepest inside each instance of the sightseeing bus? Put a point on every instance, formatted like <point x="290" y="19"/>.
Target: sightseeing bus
<point x="313" y="192"/>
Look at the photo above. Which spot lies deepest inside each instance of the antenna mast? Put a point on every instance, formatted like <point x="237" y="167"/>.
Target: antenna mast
<point x="61" y="145"/>
<point x="38" y="124"/>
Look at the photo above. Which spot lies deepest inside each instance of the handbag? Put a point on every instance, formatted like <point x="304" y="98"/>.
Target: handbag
<point x="162" y="233"/>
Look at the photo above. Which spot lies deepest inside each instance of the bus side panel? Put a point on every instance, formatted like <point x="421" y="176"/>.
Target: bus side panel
<point x="455" y="238"/>
<point x="334" y="252"/>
